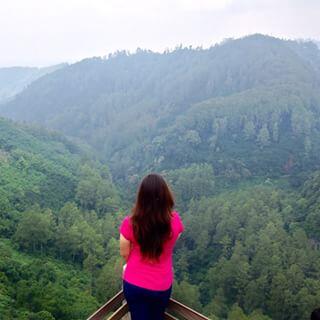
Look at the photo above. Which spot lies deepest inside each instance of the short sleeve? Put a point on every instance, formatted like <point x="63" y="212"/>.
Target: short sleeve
<point x="180" y="223"/>
<point x="125" y="228"/>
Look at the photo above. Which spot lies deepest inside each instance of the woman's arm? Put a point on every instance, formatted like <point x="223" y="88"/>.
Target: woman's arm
<point x="125" y="247"/>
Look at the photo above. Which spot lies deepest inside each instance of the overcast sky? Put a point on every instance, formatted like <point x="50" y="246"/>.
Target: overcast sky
<point x="45" y="32"/>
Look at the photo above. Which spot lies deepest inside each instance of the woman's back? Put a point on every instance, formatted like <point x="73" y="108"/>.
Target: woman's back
<point x="147" y="239"/>
<point x="147" y="273"/>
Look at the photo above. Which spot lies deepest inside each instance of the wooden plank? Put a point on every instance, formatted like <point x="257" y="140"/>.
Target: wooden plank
<point x="123" y="310"/>
<point x="184" y="311"/>
<point x="112" y="304"/>
<point x="174" y="307"/>
<point x="168" y="316"/>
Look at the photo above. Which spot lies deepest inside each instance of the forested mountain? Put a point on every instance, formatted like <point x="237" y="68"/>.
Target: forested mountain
<point x="54" y="201"/>
<point x="235" y="130"/>
<point x="15" y="79"/>
<point x="150" y="111"/>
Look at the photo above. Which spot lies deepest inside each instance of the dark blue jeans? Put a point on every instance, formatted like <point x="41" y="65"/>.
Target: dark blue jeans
<point x="146" y="304"/>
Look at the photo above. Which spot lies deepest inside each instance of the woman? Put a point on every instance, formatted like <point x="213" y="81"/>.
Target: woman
<point x="147" y="239"/>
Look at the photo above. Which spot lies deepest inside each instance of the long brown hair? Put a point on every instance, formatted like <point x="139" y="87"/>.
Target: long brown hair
<point x="151" y="215"/>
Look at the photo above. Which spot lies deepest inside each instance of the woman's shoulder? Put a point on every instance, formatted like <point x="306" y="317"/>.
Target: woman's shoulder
<point x="126" y="227"/>
<point x="175" y="214"/>
<point x="127" y="218"/>
<point x="177" y="220"/>
<point x="176" y="217"/>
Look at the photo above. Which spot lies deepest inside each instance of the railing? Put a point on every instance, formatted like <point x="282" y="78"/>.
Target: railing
<point x="116" y="308"/>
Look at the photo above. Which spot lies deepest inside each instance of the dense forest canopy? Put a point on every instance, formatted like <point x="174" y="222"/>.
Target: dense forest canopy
<point x="54" y="205"/>
<point x="235" y="130"/>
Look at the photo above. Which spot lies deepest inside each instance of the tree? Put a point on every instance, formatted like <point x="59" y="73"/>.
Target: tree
<point x="249" y="129"/>
<point x="218" y="306"/>
<point x="192" y="137"/>
<point x="68" y="214"/>
<point x="42" y="315"/>
<point x="95" y="193"/>
<point x="35" y="229"/>
<point x="109" y="280"/>
<point x="187" y="294"/>
<point x="263" y="137"/>
<point x="258" y="315"/>
<point x="236" y="313"/>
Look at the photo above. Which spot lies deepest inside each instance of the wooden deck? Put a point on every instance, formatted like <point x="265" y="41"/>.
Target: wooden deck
<point x="116" y="308"/>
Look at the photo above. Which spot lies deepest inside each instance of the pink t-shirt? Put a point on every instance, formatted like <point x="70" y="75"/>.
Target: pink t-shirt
<point x="150" y="275"/>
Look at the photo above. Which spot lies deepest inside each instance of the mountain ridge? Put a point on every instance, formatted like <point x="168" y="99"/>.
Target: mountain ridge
<point x="120" y="105"/>
<point x="14" y="80"/>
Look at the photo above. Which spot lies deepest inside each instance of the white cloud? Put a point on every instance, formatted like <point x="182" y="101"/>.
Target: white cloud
<point x="42" y="32"/>
<point x="200" y="5"/>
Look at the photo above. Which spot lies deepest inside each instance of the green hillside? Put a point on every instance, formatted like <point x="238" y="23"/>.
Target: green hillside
<point x="39" y="288"/>
<point x="235" y="129"/>
<point x="253" y="249"/>
<point x="54" y="205"/>
<point x="36" y="166"/>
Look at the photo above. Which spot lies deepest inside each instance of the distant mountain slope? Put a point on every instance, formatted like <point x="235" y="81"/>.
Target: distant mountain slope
<point x="36" y="166"/>
<point x="15" y="79"/>
<point x="134" y="109"/>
